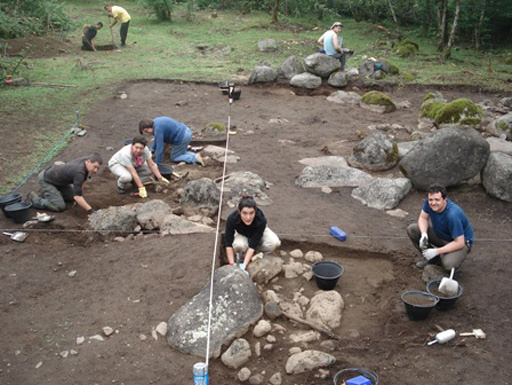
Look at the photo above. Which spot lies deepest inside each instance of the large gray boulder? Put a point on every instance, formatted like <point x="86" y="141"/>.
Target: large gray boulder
<point x="333" y="160"/>
<point x="506" y="102"/>
<point x="263" y="74"/>
<point x="267" y="45"/>
<point x="497" y="176"/>
<point x="306" y="80"/>
<point x="201" y="192"/>
<point x="376" y="152"/>
<point x="236" y="306"/>
<point x="150" y="215"/>
<point x="331" y="176"/>
<point x="290" y="67"/>
<point x="240" y="183"/>
<point x="382" y="193"/>
<point x="449" y="156"/>
<point x="502" y="125"/>
<point x="338" y="79"/>
<point x="321" y="65"/>
<point x="344" y="98"/>
<point x="500" y="145"/>
<point x="405" y="147"/>
<point x="114" y="220"/>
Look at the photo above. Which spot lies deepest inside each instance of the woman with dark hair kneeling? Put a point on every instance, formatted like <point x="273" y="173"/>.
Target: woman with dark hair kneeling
<point x="247" y="232"/>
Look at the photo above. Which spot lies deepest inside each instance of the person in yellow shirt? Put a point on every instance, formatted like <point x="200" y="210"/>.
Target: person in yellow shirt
<point x="119" y="14"/>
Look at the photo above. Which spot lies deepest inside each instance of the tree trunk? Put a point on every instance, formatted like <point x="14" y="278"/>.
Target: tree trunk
<point x="451" y="39"/>
<point x="275" y="10"/>
<point x="478" y="29"/>
<point x="393" y="13"/>
<point x="441" y="16"/>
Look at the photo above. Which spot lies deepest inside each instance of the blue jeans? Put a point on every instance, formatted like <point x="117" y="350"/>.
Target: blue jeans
<point x="179" y="151"/>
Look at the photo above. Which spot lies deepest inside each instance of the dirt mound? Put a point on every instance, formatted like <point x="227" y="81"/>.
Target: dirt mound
<point x="35" y="46"/>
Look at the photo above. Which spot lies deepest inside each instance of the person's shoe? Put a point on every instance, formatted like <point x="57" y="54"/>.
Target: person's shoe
<point x="31" y="196"/>
<point x="123" y="45"/>
<point x="422" y="263"/>
<point x="200" y="159"/>
<point x="120" y="190"/>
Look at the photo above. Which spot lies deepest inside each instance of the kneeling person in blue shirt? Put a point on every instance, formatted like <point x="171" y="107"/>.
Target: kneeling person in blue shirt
<point x="167" y="130"/>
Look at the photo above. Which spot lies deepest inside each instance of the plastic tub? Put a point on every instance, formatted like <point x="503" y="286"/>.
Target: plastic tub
<point x="326" y="274"/>
<point x="19" y="212"/>
<point x="418" y="304"/>
<point x="346" y="374"/>
<point x="445" y="302"/>
<point x="8" y="200"/>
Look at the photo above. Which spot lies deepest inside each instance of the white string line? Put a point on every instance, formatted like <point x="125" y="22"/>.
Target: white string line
<point x="215" y="247"/>
<point x="281" y="235"/>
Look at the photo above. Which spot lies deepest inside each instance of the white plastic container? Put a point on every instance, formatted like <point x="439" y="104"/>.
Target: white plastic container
<point x="444" y="336"/>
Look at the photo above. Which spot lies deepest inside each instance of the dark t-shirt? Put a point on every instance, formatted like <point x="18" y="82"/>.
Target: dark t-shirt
<point x="254" y="232"/>
<point x="90" y="33"/>
<point x="73" y="172"/>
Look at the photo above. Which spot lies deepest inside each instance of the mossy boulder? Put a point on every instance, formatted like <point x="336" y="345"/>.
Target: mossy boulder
<point x="389" y="67"/>
<point x="406" y="48"/>
<point x="463" y="111"/>
<point x="214" y="128"/>
<point x="432" y="103"/>
<point x="501" y="126"/>
<point x="377" y="101"/>
<point x="407" y="76"/>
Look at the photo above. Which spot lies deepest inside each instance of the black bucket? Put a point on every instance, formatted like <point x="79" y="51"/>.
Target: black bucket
<point x="418" y="304"/>
<point x="19" y="212"/>
<point x="346" y="374"/>
<point x="327" y="274"/>
<point x="166" y="170"/>
<point x="8" y="200"/>
<point x="445" y="302"/>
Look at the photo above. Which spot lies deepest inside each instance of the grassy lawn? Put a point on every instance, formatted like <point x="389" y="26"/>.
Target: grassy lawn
<point x="196" y="47"/>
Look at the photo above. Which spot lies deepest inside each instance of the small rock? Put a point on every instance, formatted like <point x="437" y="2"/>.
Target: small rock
<point x="397" y="213"/>
<point x="244" y="374"/>
<point x="279" y="329"/>
<point x="294" y="350"/>
<point x="108" y="331"/>
<point x="271" y="339"/>
<point x="326" y="189"/>
<point x="73" y="352"/>
<point x="272" y="310"/>
<point x="268" y="347"/>
<point x="297" y="253"/>
<point x="137" y="229"/>
<point x="80" y="340"/>
<point x="118" y="239"/>
<point x="123" y="96"/>
<point x="313" y="256"/>
<point x="39" y="364"/>
<point x="262" y="328"/>
<point x="257" y="379"/>
<point x="72" y="273"/>
<point x="97" y="337"/>
<point x="308" y="275"/>
<point x="257" y="349"/>
<point x="330" y="345"/>
<point x="64" y="354"/>
<point x="162" y="328"/>
<point x="323" y="373"/>
<point x="109" y="148"/>
<point x="276" y="379"/>
<point x="143" y="337"/>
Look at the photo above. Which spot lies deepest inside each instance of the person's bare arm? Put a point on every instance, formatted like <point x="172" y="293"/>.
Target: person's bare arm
<point x="154" y="168"/>
<point x="135" y="176"/>
<point x="456" y="244"/>
<point x="423" y="222"/>
<point x="82" y="202"/>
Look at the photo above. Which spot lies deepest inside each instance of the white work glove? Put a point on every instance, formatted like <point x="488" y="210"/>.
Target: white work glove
<point x="430" y="253"/>
<point x="423" y="241"/>
<point x="164" y="180"/>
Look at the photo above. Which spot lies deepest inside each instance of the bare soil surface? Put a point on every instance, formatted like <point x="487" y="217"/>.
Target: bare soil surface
<point x="65" y="281"/>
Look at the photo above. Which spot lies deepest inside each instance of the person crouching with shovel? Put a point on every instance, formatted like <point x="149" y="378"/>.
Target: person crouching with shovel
<point x="133" y="164"/>
<point x="247" y="232"/>
<point x="448" y="238"/>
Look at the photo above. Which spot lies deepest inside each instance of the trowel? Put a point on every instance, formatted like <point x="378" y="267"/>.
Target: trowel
<point x="449" y="286"/>
<point x="477" y="333"/>
<point x="18" y="236"/>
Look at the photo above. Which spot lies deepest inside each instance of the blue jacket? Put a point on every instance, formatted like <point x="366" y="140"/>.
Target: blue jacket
<point x="166" y="130"/>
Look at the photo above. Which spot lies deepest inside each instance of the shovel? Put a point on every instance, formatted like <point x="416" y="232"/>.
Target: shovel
<point x="449" y="286"/>
<point x="114" y="46"/>
<point x="18" y="236"/>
